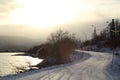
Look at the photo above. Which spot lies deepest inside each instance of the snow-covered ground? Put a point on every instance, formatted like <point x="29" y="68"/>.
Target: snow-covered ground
<point x="94" y="67"/>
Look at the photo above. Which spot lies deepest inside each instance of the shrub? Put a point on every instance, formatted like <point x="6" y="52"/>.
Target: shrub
<point x="22" y="68"/>
<point x="32" y="51"/>
<point x="57" y="50"/>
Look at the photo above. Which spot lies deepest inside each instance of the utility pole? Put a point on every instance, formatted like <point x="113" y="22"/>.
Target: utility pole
<point x="94" y="32"/>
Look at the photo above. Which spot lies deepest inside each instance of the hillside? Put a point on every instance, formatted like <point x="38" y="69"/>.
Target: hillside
<point x="16" y="43"/>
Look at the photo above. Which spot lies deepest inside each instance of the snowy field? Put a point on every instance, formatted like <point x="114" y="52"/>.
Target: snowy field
<point x="94" y="67"/>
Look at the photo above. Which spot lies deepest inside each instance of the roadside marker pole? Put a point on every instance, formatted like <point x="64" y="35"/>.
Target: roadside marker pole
<point x="112" y="58"/>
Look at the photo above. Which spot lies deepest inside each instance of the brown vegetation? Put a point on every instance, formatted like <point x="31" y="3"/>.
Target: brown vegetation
<point x="57" y="49"/>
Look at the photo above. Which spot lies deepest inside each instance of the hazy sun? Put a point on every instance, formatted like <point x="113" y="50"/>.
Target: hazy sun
<point x="46" y="13"/>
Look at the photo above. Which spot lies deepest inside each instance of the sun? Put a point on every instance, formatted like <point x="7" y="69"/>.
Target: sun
<point x="45" y="13"/>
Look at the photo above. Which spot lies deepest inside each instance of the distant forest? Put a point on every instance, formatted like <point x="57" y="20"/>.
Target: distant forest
<point x="108" y="37"/>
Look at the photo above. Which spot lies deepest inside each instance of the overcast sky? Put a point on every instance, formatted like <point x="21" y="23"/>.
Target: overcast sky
<point x="17" y="16"/>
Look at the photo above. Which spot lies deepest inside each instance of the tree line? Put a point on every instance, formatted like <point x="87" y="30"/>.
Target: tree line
<point x="108" y="37"/>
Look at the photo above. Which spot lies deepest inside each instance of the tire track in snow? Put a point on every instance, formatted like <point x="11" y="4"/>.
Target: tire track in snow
<point x="39" y="75"/>
<point x="52" y="75"/>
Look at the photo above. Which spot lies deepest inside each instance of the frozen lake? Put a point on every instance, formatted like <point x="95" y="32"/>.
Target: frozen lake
<point x="7" y="60"/>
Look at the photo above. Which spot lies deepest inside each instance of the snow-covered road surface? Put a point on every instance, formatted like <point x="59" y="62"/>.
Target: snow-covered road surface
<point x="93" y="68"/>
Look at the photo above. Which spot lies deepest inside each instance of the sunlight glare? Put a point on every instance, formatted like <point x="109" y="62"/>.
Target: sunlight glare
<point x="46" y="13"/>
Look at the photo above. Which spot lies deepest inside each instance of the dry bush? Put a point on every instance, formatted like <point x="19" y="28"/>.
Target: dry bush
<point x="21" y="68"/>
<point x="57" y="49"/>
<point x="61" y="45"/>
<point x="65" y="51"/>
<point x="60" y="36"/>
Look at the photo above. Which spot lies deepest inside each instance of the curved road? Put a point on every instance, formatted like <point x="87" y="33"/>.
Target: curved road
<point x="93" y="68"/>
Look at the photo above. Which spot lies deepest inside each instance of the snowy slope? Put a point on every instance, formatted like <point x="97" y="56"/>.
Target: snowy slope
<point x="93" y="68"/>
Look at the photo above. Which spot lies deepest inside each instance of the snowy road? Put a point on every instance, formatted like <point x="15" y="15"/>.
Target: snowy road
<point x="93" y="68"/>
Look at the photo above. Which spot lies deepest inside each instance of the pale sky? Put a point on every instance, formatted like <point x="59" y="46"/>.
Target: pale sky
<point x="41" y="17"/>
